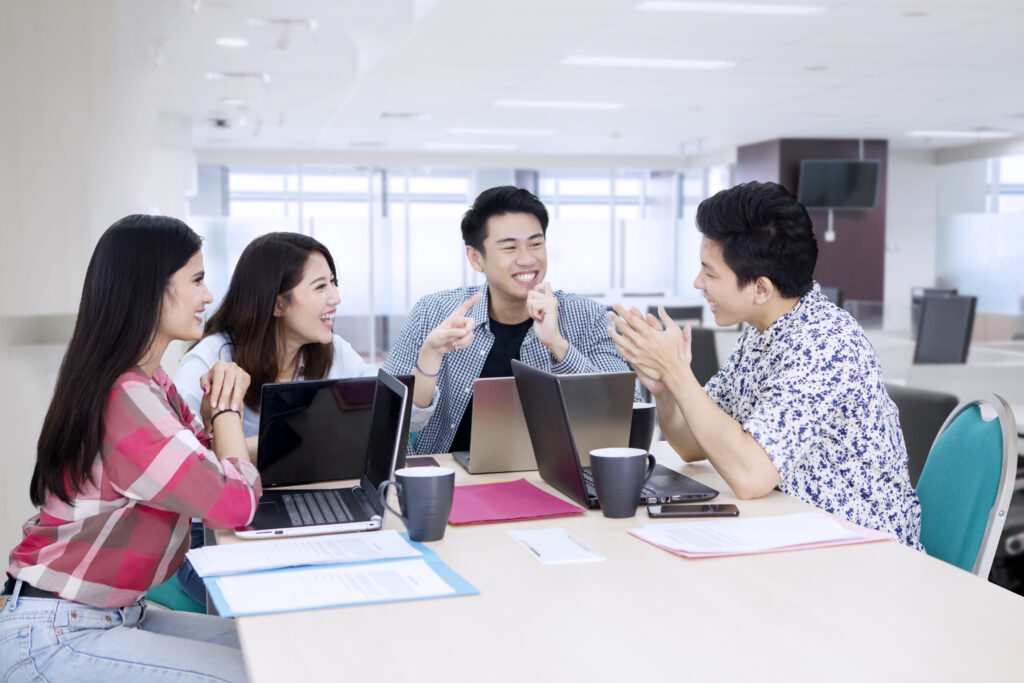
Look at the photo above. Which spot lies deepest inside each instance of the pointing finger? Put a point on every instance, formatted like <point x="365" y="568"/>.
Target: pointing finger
<point x="464" y="307"/>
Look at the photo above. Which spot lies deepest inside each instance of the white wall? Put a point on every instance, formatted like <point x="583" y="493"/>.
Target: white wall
<point x="81" y="145"/>
<point x="910" y="231"/>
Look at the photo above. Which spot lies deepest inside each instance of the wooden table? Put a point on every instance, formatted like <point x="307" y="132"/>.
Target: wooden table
<point x="873" y="611"/>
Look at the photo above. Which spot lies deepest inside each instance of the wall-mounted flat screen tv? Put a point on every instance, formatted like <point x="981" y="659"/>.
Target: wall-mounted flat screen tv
<point x="838" y="183"/>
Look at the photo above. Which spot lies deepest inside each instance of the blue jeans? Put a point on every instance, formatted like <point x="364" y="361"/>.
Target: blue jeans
<point x="59" y="640"/>
<point x="186" y="576"/>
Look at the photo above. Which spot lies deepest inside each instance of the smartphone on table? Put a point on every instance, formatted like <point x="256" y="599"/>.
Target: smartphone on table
<point x="693" y="510"/>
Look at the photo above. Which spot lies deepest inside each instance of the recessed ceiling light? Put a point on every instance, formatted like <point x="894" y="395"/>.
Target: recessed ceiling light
<point x="965" y="134"/>
<point x="500" y="131"/>
<point x="551" y="104"/>
<point x="228" y="41"/>
<point x="468" y="145"/>
<point x="232" y="101"/>
<point x="649" y="63"/>
<point x="366" y="143"/>
<point x="816" y="67"/>
<point x="405" y="115"/>
<point x="730" y="8"/>
<point x="263" y="77"/>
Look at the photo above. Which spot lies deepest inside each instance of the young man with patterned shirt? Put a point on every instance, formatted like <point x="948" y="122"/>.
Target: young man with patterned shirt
<point x="516" y="314"/>
<point x="800" y="403"/>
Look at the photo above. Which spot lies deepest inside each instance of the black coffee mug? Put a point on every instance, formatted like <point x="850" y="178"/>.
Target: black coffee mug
<point x="619" y="475"/>
<point x="641" y="428"/>
<point x="425" y="498"/>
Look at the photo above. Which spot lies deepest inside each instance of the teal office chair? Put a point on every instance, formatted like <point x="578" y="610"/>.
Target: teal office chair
<point x="169" y="595"/>
<point x="966" y="484"/>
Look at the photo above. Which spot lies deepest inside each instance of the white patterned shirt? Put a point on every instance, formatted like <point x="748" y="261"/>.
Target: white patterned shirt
<point x="809" y="390"/>
<point x="581" y="321"/>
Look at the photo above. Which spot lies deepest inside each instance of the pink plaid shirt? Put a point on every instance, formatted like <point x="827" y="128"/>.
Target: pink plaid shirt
<point x="128" y="529"/>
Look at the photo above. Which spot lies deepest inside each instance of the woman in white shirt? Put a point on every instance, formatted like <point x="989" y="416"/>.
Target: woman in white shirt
<point x="276" y="322"/>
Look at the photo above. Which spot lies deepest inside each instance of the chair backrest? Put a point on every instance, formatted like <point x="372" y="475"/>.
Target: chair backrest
<point x="944" y="333"/>
<point x="681" y="313"/>
<point x="922" y="414"/>
<point x="917" y="295"/>
<point x="833" y="294"/>
<point x="966" y="484"/>
<point x="705" y="356"/>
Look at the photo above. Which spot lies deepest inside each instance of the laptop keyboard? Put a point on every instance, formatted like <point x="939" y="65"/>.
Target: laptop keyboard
<point x="308" y="508"/>
<point x="588" y="479"/>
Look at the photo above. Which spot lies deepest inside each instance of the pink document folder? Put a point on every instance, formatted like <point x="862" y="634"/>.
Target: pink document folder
<point x="506" y="501"/>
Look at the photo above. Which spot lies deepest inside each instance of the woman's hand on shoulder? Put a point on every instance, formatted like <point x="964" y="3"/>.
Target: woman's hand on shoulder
<point x="224" y="386"/>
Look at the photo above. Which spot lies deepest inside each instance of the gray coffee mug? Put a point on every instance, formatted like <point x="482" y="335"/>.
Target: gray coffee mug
<point x="619" y="475"/>
<point x="425" y="498"/>
<point x="641" y="428"/>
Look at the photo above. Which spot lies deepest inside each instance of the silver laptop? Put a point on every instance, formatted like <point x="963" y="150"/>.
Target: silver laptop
<point x="302" y="512"/>
<point x="498" y="439"/>
<point x="555" y="444"/>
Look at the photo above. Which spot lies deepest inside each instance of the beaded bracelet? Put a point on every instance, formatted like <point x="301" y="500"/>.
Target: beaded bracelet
<point x="426" y="374"/>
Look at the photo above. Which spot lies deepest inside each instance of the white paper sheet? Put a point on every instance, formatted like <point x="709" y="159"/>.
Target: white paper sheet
<point x="746" y="535"/>
<point x="555" y="546"/>
<point x="251" y="556"/>
<point x="337" y="585"/>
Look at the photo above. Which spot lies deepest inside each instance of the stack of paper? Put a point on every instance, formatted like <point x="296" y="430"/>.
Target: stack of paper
<point x="714" y="538"/>
<point x="261" y="577"/>
<point x="504" y="502"/>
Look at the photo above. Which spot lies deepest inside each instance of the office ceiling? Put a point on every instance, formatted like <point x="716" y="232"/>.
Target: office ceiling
<point x="425" y="75"/>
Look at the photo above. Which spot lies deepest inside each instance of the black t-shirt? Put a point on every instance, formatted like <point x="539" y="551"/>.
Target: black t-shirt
<point x="508" y="339"/>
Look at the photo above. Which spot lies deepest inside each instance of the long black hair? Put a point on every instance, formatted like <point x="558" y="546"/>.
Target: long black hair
<point x="269" y="267"/>
<point x="122" y="301"/>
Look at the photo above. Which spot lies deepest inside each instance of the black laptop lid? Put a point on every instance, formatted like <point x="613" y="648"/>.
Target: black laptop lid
<point x="389" y="431"/>
<point x="313" y="431"/>
<point x="547" y="422"/>
<point x="318" y="430"/>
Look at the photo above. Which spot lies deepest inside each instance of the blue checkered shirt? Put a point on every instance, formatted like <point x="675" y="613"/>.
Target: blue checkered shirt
<point x="581" y="321"/>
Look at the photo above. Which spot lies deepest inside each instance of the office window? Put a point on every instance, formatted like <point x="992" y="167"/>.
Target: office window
<point x="611" y="230"/>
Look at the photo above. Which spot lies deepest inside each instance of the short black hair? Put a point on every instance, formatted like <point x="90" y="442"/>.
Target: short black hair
<point x="499" y="201"/>
<point x="763" y="231"/>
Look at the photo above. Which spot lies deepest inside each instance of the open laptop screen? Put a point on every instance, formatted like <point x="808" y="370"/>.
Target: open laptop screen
<point x="314" y="431"/>
<point x="387" y="442"/>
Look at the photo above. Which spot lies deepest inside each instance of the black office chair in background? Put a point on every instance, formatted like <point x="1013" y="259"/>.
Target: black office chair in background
<point x="705" y="356"/>
<point x="833" y="294"/>
<point x="922" y="414"/>
<point x="681" y="314"/>
<point x="917" y="296"/>
<point x="944" y="333"/>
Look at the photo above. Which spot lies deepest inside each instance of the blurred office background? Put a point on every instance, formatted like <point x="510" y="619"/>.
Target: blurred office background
<point x="372" y="125"/>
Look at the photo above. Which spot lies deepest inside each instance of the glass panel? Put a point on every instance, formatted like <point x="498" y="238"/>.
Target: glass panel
<point x="648" y="263"/>
<point x="1011" y="170"/>
<point x="342" y="184"/>
<point x="257" y="209"/>
<point x="256" y="182"/>
<point x="396" y="183"/>
<point x="588" y="187"/>
<point x="436" y="247"/>
<point x="579" y="255"/>
<point x="628" y="187"/>
<point x="432" y="185"/>
<point x="1010" y="203"/>
<point x="323" y="209"/>
<point x="589" y="212"/>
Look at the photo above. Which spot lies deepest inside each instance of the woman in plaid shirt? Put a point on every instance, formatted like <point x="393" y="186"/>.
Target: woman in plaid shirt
<point x="122" y="464"/>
